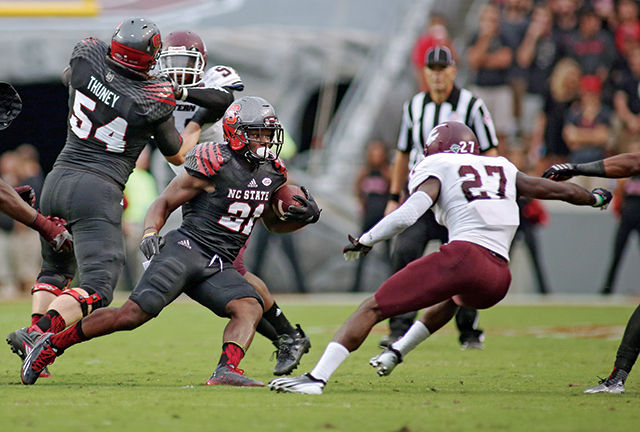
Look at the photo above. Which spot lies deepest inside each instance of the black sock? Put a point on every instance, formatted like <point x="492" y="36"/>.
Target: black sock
<point x="267" y="330"/>
<point x="280" y="323"/>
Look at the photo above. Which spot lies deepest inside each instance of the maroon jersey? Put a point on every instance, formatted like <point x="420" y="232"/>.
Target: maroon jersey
<point x="111" y="115"/>
<point x="221" y="221"/>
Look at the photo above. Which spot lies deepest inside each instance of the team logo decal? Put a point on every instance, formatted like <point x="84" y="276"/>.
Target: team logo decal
<point x="454" y="148"/>
<point x="156" y="40"/>
<point x="232" y="114"/>
<point x="433" y="135"/>
<point x="266" y="181"/>
<point x="109" y="76"/>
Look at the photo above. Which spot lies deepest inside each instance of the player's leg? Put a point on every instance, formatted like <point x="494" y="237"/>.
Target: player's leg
<point x="161" y="283"/>
<point x="409" y="245"/>
<point x="92" y="207"/>
<point x="291" y="343"/>
<point x="99" y="250"/>
<point x="228" y="294"/>
<point x="480" y="279"/>
<point x="627" y="224"/>
<point x="626" y="357"/>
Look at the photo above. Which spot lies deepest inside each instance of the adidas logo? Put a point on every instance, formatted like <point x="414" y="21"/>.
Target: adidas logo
<point x="253" y="183"/>
<point x="185" y="243"/>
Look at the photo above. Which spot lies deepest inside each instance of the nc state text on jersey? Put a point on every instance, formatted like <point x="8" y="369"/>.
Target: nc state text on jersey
<point x="102" y="92"/>
<point x="248" y="194"/>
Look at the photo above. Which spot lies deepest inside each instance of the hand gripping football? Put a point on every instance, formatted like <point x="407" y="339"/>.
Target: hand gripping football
<point x="283" y="198"/>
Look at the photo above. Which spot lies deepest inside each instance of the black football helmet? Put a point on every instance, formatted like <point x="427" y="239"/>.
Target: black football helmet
<point x="451" y="137"/>
<point x="136" y="44"/>
<point x="183" y="57"/>
<point x="247" y="114"/>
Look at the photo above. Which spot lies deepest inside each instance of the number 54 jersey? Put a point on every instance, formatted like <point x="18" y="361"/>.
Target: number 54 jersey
<point x="112" y="114"/>
<point x="477" y="201"/>
<point x="221" y="221"/>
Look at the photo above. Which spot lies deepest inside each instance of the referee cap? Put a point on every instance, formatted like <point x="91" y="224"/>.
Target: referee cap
<point x="439" y="56"/>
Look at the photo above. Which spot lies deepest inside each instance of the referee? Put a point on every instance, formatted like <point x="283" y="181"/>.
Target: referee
<point x="442" y="102"/>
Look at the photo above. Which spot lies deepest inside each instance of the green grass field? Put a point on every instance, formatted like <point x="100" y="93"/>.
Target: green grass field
<point x="537" y="361"/>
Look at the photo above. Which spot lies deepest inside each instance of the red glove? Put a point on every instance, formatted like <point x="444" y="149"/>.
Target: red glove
<point x="53" y="231"/>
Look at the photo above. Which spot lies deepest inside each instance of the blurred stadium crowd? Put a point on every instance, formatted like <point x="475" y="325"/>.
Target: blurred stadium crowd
<point x="561" y="79"/>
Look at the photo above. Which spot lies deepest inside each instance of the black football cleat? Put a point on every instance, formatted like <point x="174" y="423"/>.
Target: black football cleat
<point x="290" y="351"/>
<point x="42" y="354"/>
<point x="231" y="376"/>
<point x="22" y="340"/>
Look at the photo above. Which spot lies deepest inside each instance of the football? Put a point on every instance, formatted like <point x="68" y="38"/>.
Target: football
<point x="283" y="198"/>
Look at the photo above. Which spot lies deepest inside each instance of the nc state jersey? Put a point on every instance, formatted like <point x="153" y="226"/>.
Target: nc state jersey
<point x="222" y="221"/>
<point x="477" y="201"/>
<point x="111" y="116"/>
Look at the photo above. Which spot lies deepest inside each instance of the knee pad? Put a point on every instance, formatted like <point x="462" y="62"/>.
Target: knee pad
<point x="51" y="282"/>
<point x="92" y="299"/>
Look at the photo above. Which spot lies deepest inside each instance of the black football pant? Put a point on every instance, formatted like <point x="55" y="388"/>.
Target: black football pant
<point x="630" y="345"/>
<point x="409" y="246"/>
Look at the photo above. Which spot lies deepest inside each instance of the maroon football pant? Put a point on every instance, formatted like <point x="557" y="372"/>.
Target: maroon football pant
<point x="469" y="274"/>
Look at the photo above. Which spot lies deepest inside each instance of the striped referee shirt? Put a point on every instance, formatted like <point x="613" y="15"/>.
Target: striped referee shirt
<point x="421" y="114"/>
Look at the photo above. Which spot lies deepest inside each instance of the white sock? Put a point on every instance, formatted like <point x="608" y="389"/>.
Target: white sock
<point x="412" y="338"/>
<point x="333" y="356"/>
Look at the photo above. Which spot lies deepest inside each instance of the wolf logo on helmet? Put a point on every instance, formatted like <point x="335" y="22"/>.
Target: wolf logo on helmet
<point x="248" y="118"/>
<point x="451" y="137"/>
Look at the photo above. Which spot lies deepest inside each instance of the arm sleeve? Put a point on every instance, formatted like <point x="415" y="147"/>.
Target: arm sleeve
<point x="216" y="98"/>
<point x="399" y="220"/>
<point x="207" y="115"/>
<point x="167" y="137"/>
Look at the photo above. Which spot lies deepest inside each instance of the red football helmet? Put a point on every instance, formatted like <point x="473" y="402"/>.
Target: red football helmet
<point x="451" y="137"/>
<point x="136" y="43"/>
<point x="183" y="57"/>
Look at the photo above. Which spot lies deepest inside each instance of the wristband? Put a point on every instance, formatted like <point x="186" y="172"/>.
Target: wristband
<point x="591" y="169"/>
<point x="394" y="197"/>
<point x="599" y="200"/>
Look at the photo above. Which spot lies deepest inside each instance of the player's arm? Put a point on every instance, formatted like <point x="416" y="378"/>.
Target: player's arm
<point x="51" y="229"/>
<point x="535" y="187"/>
<point x="170" y="143"/>
<point x="397" y="221"/>
<point x="619" y="166"/>
<point x="208" y="97"/>
<point x="399" y="175"/>
<point x="180" y="190"/>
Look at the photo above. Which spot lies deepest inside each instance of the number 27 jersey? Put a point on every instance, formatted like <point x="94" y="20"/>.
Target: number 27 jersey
<point x="477" y="201"/>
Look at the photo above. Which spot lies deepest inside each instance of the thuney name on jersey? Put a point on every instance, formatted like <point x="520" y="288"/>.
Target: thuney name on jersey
<point x="102" y="92"/>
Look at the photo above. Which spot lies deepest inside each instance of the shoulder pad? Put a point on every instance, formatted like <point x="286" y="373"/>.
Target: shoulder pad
<point x="89" y="47"/>
<point x="159" y="88"/>
<point x="279" y="166"/>
<point x="223" y="76"/>
<point x="205" y="159"/>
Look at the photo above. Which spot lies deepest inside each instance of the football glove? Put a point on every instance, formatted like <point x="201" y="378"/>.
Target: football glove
<point x="53" y="230"/>
<point x="560" y="172"/>
<point x="27" y="194"/>
<point x="308" y="211"/>
<point x="151" y="244"/>
<point x="354" y="249"/>
<point x="603" y="198"/>
<point x="10" y="104"/>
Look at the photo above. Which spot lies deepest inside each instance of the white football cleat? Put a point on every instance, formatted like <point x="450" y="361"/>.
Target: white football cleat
<point x="305" y="384"/>
<point x="386" y="361"/>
